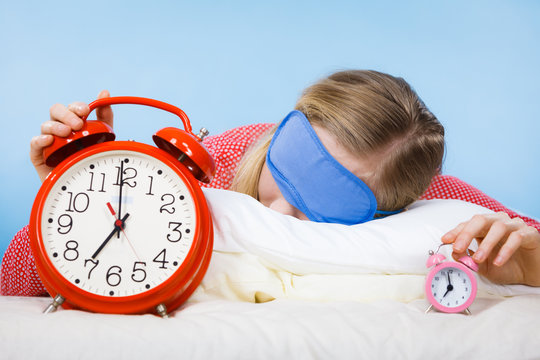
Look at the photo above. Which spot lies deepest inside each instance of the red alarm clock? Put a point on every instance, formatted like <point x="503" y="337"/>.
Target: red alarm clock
<point x="121" y="226"/>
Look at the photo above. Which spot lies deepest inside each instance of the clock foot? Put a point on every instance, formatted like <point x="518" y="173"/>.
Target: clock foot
<point x="429" y="309"/>
<point x="467" y="311"/>
<point x="57" y="301"/>
<point x="162" y="311"/>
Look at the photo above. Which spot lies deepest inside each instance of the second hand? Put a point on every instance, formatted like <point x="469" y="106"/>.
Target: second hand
<point x="123" y="232"/>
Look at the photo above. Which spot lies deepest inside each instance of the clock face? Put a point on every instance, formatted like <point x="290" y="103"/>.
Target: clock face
<point x="118" y="223"/>
<point x="451" y="287"/>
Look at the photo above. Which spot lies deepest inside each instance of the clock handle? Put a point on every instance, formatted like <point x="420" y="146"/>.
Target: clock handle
<point x="184" y="145"/>
<point x="115" y="100"/>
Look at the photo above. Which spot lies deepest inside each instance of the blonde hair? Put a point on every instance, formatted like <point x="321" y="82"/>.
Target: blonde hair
<point x="372" y="115"/>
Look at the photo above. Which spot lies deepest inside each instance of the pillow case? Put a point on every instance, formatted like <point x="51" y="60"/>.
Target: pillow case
<point x="398" y="244"/>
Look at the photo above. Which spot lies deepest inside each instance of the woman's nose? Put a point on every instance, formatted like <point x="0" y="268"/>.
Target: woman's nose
<point x="282" y="206"/>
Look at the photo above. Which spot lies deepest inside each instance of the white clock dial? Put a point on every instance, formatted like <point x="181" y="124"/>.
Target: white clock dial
<point x="90" y="245"/>
<point x="451" y="287"/>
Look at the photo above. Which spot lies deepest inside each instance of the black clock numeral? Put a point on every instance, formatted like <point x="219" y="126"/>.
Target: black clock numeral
<point x="113" y="275"/>
<point x="71" y="253"/>
<point x="141" y="273"/>
<point x="174" y="238"/>
<point x="129" y="173"/>
<point x="90" y="188"/>
<point x="78" y="203"/>
<point x="160" y="259"/>
<point x="94" y="262"/>
<point x="150" y="187"/>
<point x="165" y="206"/>
<point x="65" y="222"/>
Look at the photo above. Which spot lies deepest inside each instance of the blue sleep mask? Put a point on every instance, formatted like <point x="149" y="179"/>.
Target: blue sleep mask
<point x="313" y="181"/>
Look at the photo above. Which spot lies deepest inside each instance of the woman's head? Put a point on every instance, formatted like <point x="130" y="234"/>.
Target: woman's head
<point x="379" y="120"/>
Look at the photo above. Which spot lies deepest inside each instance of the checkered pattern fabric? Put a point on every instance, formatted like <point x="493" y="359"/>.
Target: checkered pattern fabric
<point x="18" y="275"/>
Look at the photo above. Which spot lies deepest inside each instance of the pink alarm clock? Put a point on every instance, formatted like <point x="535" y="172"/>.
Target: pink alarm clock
<point x="450" y="286"/>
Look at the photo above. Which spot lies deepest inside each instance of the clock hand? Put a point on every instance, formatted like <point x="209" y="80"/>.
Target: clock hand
<point x="118" y="225"/>
<point x="447" y="290"/>
<point x="120" y="195"/>
<point x="123" y="232"/>
<point x="449" y="287"/>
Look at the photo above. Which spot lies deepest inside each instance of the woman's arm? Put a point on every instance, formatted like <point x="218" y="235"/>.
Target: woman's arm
<point x="18" y="274"/>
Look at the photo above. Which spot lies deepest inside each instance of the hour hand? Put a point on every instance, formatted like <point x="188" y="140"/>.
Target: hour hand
<point x="449" y="287"/>
<point x="118" y="225"/>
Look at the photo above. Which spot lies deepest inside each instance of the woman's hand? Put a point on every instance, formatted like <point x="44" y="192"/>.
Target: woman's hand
<point x="63" y="120"/>
<point x="508" y="249"/>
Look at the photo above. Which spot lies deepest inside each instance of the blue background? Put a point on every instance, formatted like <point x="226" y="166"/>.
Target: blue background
<point x="474" y="63"/>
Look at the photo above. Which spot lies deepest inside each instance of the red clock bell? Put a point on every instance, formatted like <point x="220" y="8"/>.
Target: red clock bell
<point x="122" y="226"/>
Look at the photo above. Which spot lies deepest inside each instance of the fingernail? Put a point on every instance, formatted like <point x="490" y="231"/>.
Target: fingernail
<point x="498" y="260"/>
<point x="479" y="255"/>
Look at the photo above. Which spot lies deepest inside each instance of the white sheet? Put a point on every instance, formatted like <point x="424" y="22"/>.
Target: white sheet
<point x="281" y="329"/>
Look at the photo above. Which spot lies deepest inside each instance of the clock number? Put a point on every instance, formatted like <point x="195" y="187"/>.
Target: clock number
<point x="179" y="236"/>
<point x="139" y="270"/>
<point x="164" y="206"/>
<point x="65" y="221"/>
<point x="71" y="253"/>
<point x="150" y="189"/>
<point x="114" y="278"/>
<point x="92" y="181"/>
<point x="160" y="258"/>
<point x="129" y="173"/>
<point x="78" y="203"/>
<point x="94" y="262"/>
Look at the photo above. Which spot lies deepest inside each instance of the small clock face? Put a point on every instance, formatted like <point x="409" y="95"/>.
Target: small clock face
<point x="451" y="287"/>
<point x="118" y="223"/>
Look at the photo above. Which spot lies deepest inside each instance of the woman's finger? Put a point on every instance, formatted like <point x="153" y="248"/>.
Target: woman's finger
<point x="477" y="227"/>
<point x="521" y="238"/>
<point x="450" y="236"/>
<point x="79" y="108"/>
<point x="50" y="127"/>
<point x="105" y="113"/>
<point x="60" y="113"/>
<point x="39" y="142"/>
<point x="498" y="232"/>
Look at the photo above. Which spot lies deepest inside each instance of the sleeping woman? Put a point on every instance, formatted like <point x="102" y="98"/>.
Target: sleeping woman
<point x="359" y="145"/>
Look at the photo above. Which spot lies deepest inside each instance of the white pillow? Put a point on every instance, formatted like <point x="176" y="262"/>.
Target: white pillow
<point x="397" y="244"/>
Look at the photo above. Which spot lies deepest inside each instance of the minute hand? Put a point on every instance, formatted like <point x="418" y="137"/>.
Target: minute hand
<point x="120" y="194"/>
<point x="119" y="225"/>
